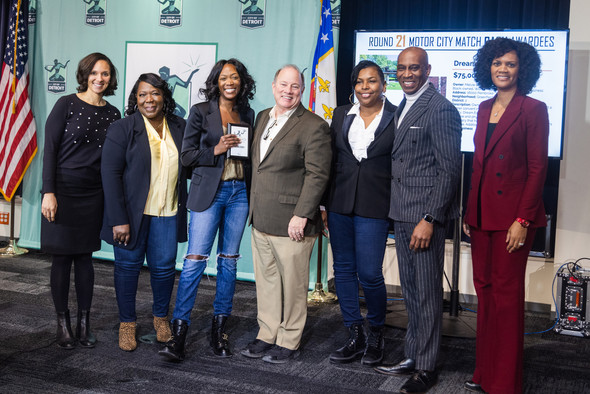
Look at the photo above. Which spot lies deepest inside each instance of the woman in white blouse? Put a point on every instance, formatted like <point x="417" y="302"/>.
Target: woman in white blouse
<point x="357" y="209"/>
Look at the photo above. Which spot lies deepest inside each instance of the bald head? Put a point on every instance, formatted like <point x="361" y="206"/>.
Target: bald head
<point x="412" y="69"/>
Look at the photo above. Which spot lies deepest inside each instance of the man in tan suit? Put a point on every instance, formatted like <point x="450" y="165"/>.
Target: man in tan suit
<point x="291" y="158"/>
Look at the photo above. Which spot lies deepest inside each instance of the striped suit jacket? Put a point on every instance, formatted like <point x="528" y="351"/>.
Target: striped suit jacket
<point x="426" y="160"/>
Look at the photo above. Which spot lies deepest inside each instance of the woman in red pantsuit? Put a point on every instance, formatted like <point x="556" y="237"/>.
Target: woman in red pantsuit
<point x="505" y="207"/>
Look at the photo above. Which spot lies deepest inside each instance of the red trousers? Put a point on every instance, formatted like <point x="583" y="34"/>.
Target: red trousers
<point x="498" y="277"/>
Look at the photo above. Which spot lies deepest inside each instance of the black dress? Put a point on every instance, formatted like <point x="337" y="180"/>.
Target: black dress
<point x="74" y="135"/>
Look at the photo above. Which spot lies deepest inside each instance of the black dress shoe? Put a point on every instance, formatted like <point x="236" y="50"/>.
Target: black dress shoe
<point x="420" y="382"/>
<point x="404" y="367"/>
<point x="256" y="349"/>
<point x="470" y="385"/>
<point x="280" y="355"/>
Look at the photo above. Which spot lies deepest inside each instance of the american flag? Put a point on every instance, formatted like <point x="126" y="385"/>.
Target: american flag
<point x="18" y="139"/>
<point x="322" y="99"/>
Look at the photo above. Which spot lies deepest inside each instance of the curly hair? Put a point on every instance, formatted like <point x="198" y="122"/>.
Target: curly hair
<point x="247" y="84"/>
<point x="157" y="82"/>
<point x="85" y="68"/>
<point x="361" y="66"/>
<point x="529" y="63"/>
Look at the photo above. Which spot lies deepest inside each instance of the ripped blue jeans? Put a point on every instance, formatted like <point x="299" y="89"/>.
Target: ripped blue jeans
<point x="227" y="214"/>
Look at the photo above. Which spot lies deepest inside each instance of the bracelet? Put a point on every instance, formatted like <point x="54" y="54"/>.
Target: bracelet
<point x="523" y="222"/>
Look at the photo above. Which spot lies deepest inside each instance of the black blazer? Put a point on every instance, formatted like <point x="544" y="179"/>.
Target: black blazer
<point x="126" y="170"/>
<point x="361" y="188"/>
<point x="202" y="133"/>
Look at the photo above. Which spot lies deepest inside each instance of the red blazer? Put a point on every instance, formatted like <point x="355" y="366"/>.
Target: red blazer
<point x="509" y="174"/>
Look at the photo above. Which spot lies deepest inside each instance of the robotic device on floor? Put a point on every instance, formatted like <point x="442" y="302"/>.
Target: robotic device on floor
<point x="573" y="301"/>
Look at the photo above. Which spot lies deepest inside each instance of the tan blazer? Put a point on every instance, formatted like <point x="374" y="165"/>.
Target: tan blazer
<point x="293" y="175"/>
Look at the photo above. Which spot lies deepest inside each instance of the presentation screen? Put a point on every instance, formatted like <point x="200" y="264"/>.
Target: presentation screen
<point x="451" y="56"/>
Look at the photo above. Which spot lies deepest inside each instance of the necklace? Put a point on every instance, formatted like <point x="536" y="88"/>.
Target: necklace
<point x="498" y="111"/>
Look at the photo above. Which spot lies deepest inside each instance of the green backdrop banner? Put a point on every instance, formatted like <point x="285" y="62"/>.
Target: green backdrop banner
<point x="183" y="39"/>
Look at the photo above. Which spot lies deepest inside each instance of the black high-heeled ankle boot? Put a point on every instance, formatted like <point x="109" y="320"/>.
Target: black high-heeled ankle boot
<point x="219" y="338"/>
<point x="64" y="337"/>
<point x="85" y="337"/>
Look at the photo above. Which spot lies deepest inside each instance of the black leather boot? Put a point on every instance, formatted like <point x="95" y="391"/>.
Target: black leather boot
<point x="85" y="337"/>
<point x="174" y="348"/>
<point x="375" y="345"/>
<point x="64" y="337"/>
<point x="219" y="338"/>
<point x="354" y="347"/>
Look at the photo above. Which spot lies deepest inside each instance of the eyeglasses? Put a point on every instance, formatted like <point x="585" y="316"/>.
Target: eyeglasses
<point x="267" y="133"/>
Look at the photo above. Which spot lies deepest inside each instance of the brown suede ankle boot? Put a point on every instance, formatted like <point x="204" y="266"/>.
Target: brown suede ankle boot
<point x="127" y="340"/>
<point x="162" y="327"/>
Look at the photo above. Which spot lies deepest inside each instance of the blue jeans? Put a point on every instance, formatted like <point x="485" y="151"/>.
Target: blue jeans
<point x="156" y="244"/>
<point x="358" y="247"/>
<point x="228" y="214"/>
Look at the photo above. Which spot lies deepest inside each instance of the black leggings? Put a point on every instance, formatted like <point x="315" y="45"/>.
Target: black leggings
<point x="83" y="277"/>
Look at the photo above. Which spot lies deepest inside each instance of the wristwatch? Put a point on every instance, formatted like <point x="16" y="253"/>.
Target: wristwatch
<point x="428" y="218"/>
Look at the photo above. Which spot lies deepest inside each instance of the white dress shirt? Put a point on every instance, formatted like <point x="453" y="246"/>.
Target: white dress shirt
<point x="360" y="137"/>
<point x="274" y="125"/>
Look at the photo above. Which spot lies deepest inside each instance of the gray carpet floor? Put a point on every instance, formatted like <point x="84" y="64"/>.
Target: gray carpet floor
<point x="30" y="362"/>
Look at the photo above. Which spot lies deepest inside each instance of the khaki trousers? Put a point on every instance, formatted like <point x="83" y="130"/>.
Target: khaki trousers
<point x="281" y="271"/>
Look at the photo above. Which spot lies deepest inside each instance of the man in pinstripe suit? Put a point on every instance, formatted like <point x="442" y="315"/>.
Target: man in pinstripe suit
<point x="425" y="174"/>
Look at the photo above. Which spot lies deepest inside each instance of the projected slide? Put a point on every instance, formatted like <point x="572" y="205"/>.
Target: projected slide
<point x="451" y="56"/>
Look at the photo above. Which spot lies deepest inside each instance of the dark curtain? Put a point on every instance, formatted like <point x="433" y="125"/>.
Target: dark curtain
<point x="4" y="15"/>
<point x="440" y="15"/>
<point x="454" y="15"/>
<point x="3" y="26"/>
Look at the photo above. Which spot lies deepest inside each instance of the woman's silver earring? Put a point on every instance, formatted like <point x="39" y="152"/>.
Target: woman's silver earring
<point x="350" y="99"/>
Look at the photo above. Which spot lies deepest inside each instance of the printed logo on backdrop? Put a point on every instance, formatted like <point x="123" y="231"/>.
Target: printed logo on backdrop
<point x="56" y="81"/>
<point x="335" y="13"/>
<point x="170" y="13"/>
<point x="32" y="12"/>
<point x="184" y="66"/>
<point x="252" y="13"/>
<point x="95" y="12"/>
<point x="179" y="88"/>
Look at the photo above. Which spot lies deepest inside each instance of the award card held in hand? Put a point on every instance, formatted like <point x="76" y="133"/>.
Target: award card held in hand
<point x="242" y="151"/>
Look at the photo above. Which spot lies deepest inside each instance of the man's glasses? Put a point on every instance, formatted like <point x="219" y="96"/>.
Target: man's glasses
<point x="267" y="133"/>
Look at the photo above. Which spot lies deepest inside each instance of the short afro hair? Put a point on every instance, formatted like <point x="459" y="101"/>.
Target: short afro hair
<point x="529" y="63"/>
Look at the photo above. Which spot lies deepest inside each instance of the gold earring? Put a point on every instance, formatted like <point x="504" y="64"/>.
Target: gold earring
<point x="350" y="98"/>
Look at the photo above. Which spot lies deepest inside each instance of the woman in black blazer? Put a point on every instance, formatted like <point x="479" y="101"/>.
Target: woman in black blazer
<point x="218" y="200"/>
<point x="145" y="201"/>
<point x="358" y="205"/>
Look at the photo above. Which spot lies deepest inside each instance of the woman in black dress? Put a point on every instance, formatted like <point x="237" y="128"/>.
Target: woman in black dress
<point x="72" y="203"/>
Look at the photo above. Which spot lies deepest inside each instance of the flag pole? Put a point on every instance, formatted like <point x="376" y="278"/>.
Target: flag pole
<point x="12" y="249"/>
<point x="318" y="295"/>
